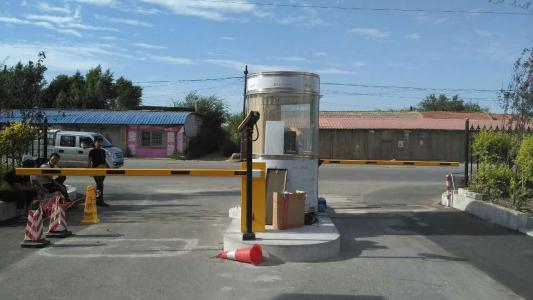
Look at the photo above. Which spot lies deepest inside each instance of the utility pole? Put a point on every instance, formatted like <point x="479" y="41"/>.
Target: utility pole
<point x="243" y="134"/>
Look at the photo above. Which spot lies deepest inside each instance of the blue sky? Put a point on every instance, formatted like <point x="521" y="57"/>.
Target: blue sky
<point x="165" y="40"/>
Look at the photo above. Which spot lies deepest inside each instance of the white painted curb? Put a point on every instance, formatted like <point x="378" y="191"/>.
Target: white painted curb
<point x="466" y="201"/>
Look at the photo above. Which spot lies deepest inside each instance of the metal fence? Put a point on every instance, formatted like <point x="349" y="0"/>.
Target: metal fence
<point x="471" y="159"/>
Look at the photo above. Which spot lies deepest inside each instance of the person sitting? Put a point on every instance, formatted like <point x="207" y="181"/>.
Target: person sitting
<point x="19" y="188"/>
<point x="48" y="182"/>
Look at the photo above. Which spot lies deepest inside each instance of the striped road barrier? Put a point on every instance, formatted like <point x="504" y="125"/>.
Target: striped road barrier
<point x="134" y="172"/>
<point x="391" y="162"/>
<point x="258" y="182"/>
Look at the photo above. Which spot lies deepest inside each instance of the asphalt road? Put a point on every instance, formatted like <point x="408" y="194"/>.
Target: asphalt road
<point x="156" y="240"/>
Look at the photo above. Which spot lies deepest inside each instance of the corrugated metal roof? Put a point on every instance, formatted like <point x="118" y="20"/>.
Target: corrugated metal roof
<point x="105" y="117"/>
<point x="395" y="123"/>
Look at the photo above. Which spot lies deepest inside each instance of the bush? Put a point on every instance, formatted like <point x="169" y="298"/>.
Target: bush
<point x="229" y="147"/>
<point x="231" y="128"/>
<point x="16" y="139"/>
<point x="494" y="147"/>
<point x="3" y="170"/>
<point x="493" y="180"/>
<point x="178" y="155"/>
<point x="524" y="159"/>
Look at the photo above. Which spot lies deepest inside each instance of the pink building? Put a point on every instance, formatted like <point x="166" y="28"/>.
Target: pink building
<point x="138" y="133"/>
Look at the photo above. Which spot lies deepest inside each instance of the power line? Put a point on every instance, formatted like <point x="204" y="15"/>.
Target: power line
<point x="446" y="11"/>
<point x="188" y="80"/>
<point x="409" y="87"/>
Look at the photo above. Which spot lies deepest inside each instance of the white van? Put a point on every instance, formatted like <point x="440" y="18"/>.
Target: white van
<point x="74" y="147"/>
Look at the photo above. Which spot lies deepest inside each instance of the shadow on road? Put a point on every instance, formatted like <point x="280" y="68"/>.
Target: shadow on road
<point x="332" y="297"/>
<point x="503" y="254"/>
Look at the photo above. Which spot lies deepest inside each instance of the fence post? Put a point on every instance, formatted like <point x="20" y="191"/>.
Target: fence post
<point x="467" y="149"/>
<point x="45" y="138"/>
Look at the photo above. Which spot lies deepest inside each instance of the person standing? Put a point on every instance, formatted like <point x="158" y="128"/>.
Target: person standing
<point x="97" y="160"/>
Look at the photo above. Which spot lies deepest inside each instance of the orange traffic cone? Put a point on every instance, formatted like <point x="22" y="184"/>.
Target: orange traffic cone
<point x="90" y="214"/>
<point x="58" y="223"/>
<point x="33" y="236"/>
<point x="251" y="255"/>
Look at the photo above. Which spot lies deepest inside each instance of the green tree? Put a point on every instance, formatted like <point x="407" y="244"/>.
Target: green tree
<point x="60" y="84"/>
<point x="518" y="98"/>
<point x="233" y="123"/>
<point x="23" y="87"/>
<point x="443" y="103"/>
<point x="127" y="95"/>
<point x="215" y="113"/>
<point x="99" y="88"/>
<point x="22" y="84"/>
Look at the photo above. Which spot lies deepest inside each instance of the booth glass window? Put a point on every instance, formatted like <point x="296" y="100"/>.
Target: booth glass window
<point x="288" y="124"/>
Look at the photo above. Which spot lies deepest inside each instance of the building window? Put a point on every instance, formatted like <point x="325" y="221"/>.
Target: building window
<point x="152" y="138"/>
<point x="67" y="141"/>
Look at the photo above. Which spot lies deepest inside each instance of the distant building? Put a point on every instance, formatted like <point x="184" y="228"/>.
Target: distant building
<point x="138" y="132"/>
<point x="398" y="135"/>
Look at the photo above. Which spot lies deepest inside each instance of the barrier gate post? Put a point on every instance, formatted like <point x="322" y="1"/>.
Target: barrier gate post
<point x="247" y="126"/>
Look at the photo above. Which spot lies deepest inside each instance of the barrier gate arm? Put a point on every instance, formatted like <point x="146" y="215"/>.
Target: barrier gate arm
<point x="390" y="162"/>
<point x="136" y="172"/>
<point x="258" y="182"/>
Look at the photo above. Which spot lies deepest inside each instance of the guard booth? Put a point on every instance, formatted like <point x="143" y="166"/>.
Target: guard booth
<point x="287" y="132"/>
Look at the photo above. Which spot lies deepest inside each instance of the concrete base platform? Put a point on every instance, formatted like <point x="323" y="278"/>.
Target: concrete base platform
<point x="312" y="243"/>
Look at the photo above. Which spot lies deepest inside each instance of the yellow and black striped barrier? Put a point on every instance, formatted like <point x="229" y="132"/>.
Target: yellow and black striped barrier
<point x="134" y="172"/>
<point x="258" y="182"/>
<point x="391" y="162"/>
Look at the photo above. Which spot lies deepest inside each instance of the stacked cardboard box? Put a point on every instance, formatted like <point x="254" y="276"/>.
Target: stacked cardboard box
<point x="288" y="211"/>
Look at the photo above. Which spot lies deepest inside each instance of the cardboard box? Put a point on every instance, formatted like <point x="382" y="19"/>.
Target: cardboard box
<point x="275" y="182"/>
<point x="288" y="210"/>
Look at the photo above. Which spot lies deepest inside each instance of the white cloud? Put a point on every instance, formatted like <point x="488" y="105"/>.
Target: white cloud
<point x="287" y="58"/>
<point x="305" y="17"/>
<point x="213" y="53"/>
<point x="424" y="18"/>
<point x="109" y="38"/>
<point x="11" y="20"/>
<point x="370" y="33"/>
<point x="171" y="59"/>
<point x="70" y="32"/>
<point x="147" y="46"/>
<point x="145" y="11"/>
<point x="43" y="24"/>
<point x="43" y="6"/>
<point x="215" y="11"/>
<point x="412" y="36"/>
<point x="66" y="22"/>
<point x="483" y="33"/>
<point x="334" y="71"/>
<point x="359" y="64"/>
<point x="130" y="22"/>
<point x="97" y="2"/>
<point x="320" y="53"/>
<point x="60" y="57"/>
<point x="239" y="66"/>
<point x="228" y="38"/>
<point x="51" y="19"/>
